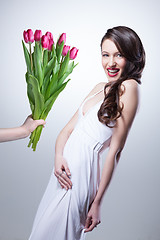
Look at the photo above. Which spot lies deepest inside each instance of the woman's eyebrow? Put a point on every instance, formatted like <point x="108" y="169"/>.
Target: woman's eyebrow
<point x="108" y="52"/>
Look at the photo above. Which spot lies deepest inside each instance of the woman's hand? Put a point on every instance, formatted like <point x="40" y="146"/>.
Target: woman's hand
<point x="62" y="172"/>
<point x="30" y="125"/>
<point x="93" y="217"/>
<point x="10" y="134"/>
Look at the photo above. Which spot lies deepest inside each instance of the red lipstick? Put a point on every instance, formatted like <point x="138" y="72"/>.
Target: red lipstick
<point x="112" y="72"/>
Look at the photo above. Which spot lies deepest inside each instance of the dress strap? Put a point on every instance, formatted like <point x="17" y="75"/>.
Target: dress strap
<point x="92" y="96"/>
<point x="97" y="92"/>
<point x="81" y="106"/>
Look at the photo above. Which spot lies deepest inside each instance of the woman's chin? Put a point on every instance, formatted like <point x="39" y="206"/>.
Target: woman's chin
<point x="113" y="78"/>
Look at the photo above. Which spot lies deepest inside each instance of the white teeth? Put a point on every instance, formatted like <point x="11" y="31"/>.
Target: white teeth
<point x="113" y="71"/>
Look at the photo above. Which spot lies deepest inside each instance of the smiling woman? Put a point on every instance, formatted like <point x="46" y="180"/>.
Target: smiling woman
<point x="123" y="58"/>
<point x="71" y="204"/>
<point x="112" y="60"/>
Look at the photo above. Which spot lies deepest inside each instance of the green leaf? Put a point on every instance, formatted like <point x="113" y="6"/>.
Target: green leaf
<point x="49" y="103"/>
<point x="45" y="84"/>
<point x="38" y="97"/>
<point x="66" y="73"/>
<point x="45" y="58"/>
<point x="64" y="66"/>
<point x="30" y="96"/>
<point x="52" y="86"/>
<point x="59" y="49"/>
<point x="38" y="63"/>
<point x="33" y="72"/>
<point x="48" y="71"/>
<point x="51" y="64"/>
<point x="27" y="57"/>
<point x="53" y="51"/>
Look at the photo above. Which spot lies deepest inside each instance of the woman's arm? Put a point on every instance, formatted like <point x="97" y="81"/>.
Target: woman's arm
<point x="61" y="170"/>
<point x="10" y="134"/>
<point x="120" y="132"/>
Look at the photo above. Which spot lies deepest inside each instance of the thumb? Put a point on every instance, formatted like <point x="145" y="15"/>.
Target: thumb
<point x="40" y="122"/>
<point x="67" y="168"/>
<point x="87" y="223"/>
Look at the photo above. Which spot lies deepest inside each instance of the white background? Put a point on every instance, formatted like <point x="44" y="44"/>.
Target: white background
<point x="130" y="208"/>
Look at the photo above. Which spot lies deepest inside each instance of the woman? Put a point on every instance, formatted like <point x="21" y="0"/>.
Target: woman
<point x="71" y="205"/>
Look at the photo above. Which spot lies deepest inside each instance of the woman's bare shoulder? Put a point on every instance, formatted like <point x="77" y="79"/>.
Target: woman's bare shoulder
<point x="98" y="87"/>
<point x="130" y="96"/>
<point x="130" y="84"/>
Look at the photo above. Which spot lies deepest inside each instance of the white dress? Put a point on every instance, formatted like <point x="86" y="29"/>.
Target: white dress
<point x="62" y="214"/>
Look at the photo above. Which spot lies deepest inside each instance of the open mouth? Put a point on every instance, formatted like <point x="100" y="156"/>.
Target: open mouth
<point x="112" y="72"/>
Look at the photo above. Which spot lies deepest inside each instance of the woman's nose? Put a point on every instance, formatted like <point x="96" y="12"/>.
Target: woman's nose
<point x="111" y="62"/>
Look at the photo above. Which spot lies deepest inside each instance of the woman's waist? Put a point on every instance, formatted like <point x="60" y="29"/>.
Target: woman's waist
<point x="93" y="134"/>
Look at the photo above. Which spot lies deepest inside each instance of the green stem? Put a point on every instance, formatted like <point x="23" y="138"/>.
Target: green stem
<point x="42" y="54"/>
<point x="35" y="136"/>
<point x="32" y="138"/>
<point x="61" y="63"/>
<point x="30" y="51"/>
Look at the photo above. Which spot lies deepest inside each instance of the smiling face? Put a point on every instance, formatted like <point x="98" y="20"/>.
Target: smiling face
<point x="112" y="60"/>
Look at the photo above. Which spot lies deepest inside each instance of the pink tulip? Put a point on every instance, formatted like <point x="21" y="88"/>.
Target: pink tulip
<point x="65" y="50"/>
<point x="62" y="38"/>
<point x="25" y="35"/>
<point x="28" y="36"/>
<point x="50" y="44"/>
<point x="37" y="35"/>
<point x="49" y="35"/>
<point x="73" y="53"/>
<point x="45" y="41"/>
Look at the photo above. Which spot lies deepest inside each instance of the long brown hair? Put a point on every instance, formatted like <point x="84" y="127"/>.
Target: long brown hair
<point x="130" y="46"/>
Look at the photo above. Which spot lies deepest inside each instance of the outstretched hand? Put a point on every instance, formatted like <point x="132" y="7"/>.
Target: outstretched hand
<point x="93" y="217"/>
<point x="30" y="125"/>
<point x="10" y="134"/>
<point x="62" y="172"/>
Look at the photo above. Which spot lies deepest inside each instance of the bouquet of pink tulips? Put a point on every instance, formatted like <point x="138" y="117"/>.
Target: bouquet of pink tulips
<point x="48" y="65"/>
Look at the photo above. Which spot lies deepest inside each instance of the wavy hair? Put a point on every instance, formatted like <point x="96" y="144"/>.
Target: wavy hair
<point x="130" y="46"/>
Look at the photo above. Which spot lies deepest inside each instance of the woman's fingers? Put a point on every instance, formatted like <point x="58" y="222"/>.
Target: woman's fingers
<point x="90" y="225"/>
<point x="88" y="222"/>
<point x="63" y="179"/>
<point x="67" y="169"/>
<point x="62" y="172"/>
<point x="62" y="185"/>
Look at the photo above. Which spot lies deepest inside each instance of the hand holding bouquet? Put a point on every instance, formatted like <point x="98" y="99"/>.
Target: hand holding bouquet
<point x="47" y="68"/>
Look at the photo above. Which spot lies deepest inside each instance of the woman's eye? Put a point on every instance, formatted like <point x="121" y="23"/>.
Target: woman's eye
<point x="105" y="55"/>
<point x="119" y="55"/>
